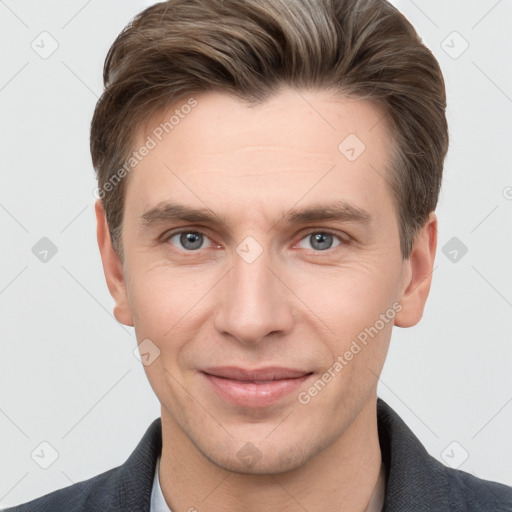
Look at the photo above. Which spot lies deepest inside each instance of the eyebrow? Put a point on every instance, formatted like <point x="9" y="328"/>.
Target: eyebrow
<point x="339" y="211"/>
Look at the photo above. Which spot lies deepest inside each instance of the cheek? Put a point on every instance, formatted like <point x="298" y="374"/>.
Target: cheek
<point x="170" y="307"/>
<point x="160" y="295"/>
<point x="348" y="298"/>
<point x="159" y="312"/>
<point x="151" y="302"/>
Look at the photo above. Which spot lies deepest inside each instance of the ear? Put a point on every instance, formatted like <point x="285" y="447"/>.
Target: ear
<point x="418" y="275"/>
<point x="113" y="268"/>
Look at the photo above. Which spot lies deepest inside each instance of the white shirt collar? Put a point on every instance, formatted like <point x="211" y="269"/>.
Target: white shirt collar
<point x="158" y="503"/>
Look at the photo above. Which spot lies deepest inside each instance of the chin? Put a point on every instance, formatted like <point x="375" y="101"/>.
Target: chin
<point x="267" y="465"/>
<point x="259" y="458"/>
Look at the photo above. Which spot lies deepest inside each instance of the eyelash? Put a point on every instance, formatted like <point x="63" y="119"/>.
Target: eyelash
<point x="343" y="240"/>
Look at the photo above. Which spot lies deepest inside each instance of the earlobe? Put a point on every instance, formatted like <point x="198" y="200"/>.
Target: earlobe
<point x="113" y="268"/>
<point x="418" y="275"/>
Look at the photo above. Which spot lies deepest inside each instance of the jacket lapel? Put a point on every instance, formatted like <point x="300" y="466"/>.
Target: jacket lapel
<point x="414" y="479"/>
<point x="128" y="487"/>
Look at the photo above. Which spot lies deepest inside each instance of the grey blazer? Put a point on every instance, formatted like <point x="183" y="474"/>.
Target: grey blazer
<point x="415" y="481"/>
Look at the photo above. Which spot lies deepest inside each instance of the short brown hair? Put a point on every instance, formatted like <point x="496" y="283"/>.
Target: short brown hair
<point x="248" y="48"/>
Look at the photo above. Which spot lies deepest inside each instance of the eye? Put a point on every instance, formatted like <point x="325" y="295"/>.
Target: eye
<point x="189" y="240"/>
<point x="320" y="241"/>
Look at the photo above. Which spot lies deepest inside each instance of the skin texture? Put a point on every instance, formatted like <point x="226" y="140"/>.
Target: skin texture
<point x="294" y="306"/>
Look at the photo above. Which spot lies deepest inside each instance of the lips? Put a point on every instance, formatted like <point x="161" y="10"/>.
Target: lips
<point x="257" y="375"/>
<point x="259" y="387"/>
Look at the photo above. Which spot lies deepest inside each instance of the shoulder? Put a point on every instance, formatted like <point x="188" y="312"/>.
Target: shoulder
<point x="418" y="481"/>
<point x="126" y="487"/>
<point x="71" y="498"/>
<point x="476" y="494"/>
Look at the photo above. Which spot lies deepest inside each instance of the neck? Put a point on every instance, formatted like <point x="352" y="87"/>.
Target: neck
<point x="341" y="477"/>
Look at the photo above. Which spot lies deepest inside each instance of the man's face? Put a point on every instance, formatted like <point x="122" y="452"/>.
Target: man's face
<point x="261" y="287"/>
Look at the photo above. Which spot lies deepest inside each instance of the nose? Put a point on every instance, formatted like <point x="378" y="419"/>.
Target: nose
<point x="253" y="302"/>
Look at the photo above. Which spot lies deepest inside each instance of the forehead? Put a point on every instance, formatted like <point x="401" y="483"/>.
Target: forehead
<point x="297" y="145"/>
<point x="308" y="120"/>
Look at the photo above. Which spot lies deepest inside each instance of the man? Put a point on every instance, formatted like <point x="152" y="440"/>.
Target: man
<point x="268" y="174"/>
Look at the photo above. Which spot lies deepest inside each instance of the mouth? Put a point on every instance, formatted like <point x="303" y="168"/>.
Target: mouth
<point x="259" y="387"/>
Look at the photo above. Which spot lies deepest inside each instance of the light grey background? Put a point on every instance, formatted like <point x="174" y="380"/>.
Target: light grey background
<point x="68" y="373"/>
